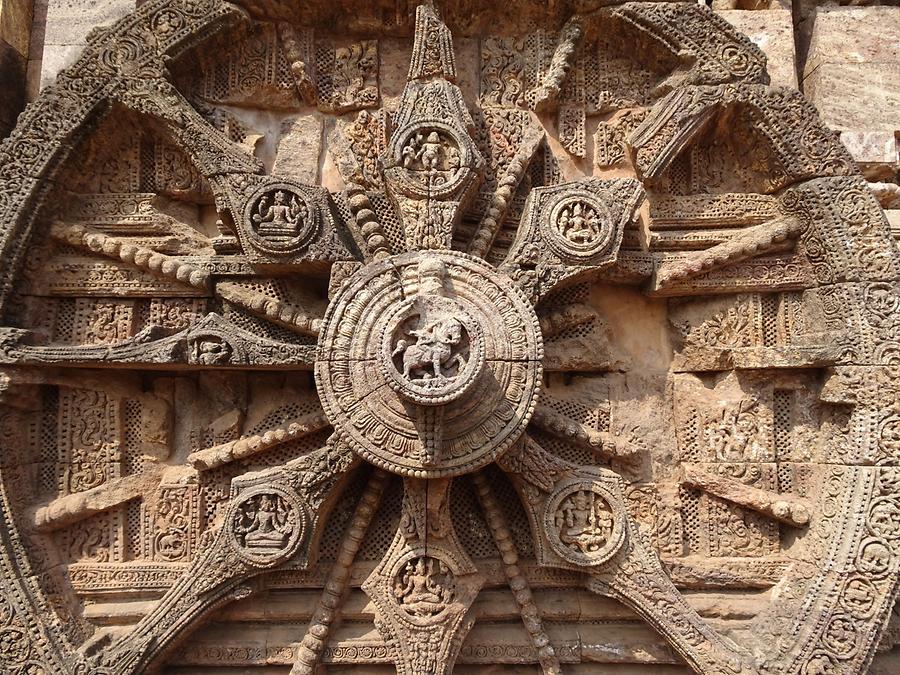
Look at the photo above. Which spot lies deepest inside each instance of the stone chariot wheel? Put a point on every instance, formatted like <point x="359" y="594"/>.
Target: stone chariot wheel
<point x="309" y="364"/>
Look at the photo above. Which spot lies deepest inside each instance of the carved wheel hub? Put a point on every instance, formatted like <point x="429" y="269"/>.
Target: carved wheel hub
<point x="429" y="363"/>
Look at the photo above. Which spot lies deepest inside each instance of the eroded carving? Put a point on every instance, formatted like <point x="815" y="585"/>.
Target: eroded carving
<point x="162" y="297"/>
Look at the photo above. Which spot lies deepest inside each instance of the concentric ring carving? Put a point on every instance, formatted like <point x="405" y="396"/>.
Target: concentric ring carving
<point x="367" y="396"/>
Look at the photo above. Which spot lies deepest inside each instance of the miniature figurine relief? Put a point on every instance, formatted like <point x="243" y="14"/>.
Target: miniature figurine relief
<point x="266" y="524"/>
<point x="582" y="526"/>
<point x="457" y="337"/>
<point x="424" y="587"/>
<point x="581" y="226"/>
<point x="282" y="219"/>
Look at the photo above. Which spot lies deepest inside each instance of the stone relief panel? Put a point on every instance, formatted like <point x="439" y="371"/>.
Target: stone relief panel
<point x="576" y="351"/>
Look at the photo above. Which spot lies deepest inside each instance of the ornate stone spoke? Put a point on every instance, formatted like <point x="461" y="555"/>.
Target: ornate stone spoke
<point x="518" y="584"/>
<point x="569" y="430"/>
<point x="570" y="232"/>
<point x="211" y="343"/>
<point x="144" y="258"/>
<point x="487" y="229"/>
<point x="212" y="153"/>
<point x="277" y="311"/>
<point x="273" y="518"/>
<point x="432" y="164"/>
<point x="783" y="507"/>
<point x="581" y="521"/>
<point x="639" y="581"/>
<point x="325" y="614"/>
<point x="425" y="585"/>
<point x="219" y="455"/>
<point x="66" y="510"/>
<point x="773" y="236"/>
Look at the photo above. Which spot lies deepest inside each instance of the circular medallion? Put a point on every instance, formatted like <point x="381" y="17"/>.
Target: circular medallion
<point x="266" y="524"/>
<point x="433" y="157"/>
<point x="432" y="350"/>
<point x="280" y="218"/>
<point x="429" y="363"/>
<point x="423" y="587"/>
<point x="580" y="226"/>
<point x="582" y="523"/>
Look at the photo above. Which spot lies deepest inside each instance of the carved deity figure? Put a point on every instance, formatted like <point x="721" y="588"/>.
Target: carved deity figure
<point x="436" y="352"/>
<point x="579" y="223"/>
<point x="266" y="526"/>
<point x="280" y="218"/>
<point x="732" y="437"/>
<point x="584" y="522"/>
<point x="424" y="586"/>
<point x="211" y="352"/>
<point x="106" y="324"/>
<point x="410" y="152"/>
<point x="431" y="153"/>
<point x="433" y="349"/>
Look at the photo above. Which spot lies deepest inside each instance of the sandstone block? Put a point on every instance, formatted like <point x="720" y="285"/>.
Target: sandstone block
<point x="876" y="152"/>
<point x="299" y="147"/>
<point x="893" y="218"/>
<point x="69" y="21"/>
<point x="854" y="35"/>
<point x="773" y="32"/>
<point x="856" y="96"/>
<point x="54" y="59"/>
<point x="15" y="23"/>
<point x="12" y="74"/>
<point x="871" y="146"/>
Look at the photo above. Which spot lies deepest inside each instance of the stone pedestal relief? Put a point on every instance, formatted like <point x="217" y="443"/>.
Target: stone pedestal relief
<point x="563" y="343"/>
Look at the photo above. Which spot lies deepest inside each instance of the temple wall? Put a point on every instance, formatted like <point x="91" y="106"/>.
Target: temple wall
<point x="846" y="60"/>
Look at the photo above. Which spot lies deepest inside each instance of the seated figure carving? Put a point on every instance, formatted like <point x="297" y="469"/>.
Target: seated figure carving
<point x="280" y="218"/>
<point x="268" y="526"/>
<point x="584" y="524"/>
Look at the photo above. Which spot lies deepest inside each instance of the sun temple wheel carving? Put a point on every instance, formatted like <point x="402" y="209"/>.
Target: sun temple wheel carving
<point x="458" y="347"/>
<point x="393" y="360"/>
